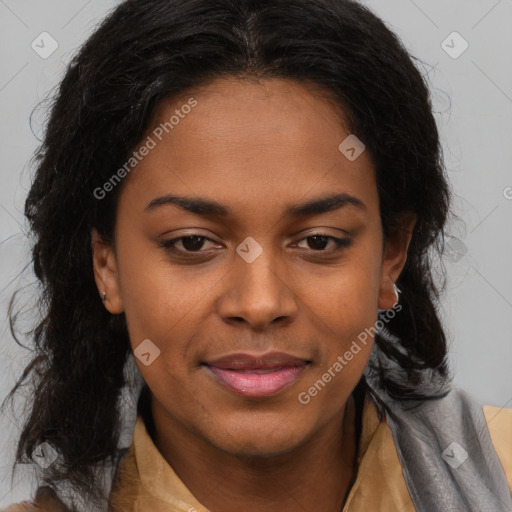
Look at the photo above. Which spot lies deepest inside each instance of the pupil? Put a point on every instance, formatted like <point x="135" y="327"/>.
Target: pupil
<point x="317" y="238"/>
<point x="192" y="243"/>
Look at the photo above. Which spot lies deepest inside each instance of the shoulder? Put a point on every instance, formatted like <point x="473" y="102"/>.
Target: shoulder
<point x="25" y="506"/>
<point x="499" y="423"/>
<point x="45" y="501"/>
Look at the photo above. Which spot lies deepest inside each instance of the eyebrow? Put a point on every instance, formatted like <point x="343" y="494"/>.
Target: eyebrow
<point x="209" y="208"/>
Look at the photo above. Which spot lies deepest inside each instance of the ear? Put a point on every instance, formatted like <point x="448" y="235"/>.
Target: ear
<point x="105" y="273"/>
<point x="394" y="257"/>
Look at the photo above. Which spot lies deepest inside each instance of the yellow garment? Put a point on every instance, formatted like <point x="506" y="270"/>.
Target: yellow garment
<point x="145" y="481"/>
<point x="499" y="422"/>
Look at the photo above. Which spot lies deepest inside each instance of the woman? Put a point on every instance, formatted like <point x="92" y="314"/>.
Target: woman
<point x="248" y="197"/>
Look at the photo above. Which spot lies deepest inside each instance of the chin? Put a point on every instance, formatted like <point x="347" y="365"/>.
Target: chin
<point x="254" y="440"/>
<point x="253" y="449"/>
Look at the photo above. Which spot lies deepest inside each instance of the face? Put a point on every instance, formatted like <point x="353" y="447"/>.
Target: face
<point x="250" y="301"/>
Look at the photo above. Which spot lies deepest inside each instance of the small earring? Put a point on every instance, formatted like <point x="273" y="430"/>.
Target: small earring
<point x="103" y="296"/>
<point x="397" y="291"/>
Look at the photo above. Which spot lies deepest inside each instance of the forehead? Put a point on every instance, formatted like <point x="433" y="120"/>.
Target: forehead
<point x="275" y="112"/>
<point x="246" y="142"/>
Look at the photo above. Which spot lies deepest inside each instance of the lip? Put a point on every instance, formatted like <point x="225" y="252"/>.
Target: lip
<point x="259" y="375"/>
<point x="244" y="361"/>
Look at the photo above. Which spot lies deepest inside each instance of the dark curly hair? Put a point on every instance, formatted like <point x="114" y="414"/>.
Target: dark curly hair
<point x="148" y="51"/>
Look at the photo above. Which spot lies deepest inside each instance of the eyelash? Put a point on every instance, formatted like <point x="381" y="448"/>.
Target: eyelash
<point x="340" y="243"/>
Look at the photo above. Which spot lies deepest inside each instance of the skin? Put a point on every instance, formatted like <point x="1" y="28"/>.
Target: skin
<point x="256" y="148"/>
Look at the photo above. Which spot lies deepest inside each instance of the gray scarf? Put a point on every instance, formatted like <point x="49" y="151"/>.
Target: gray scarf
<point x="448" y="459"/>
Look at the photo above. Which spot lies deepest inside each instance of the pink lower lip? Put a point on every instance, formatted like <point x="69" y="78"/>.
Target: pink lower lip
<point x="254" y="384"/>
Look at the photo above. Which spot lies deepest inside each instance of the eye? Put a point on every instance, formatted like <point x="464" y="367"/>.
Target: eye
<point x="318" y="241"/>
<point x="190" y="244"/>
<point x="194" y="243"/>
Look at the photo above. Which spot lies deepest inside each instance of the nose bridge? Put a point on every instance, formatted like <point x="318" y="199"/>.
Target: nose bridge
<point x="258" y="292"/>
<point x="262" y="277"/>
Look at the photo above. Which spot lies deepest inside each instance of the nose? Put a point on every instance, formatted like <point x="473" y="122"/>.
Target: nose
<point x="258" y="294"/>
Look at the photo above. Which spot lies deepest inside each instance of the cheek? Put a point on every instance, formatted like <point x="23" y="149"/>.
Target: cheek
<point x="346" y="312"/>
<point x="328" y="389"/>
<point x="156" y="296"/>
<point x="346" y="350"/>
<point x="347" y="299"/>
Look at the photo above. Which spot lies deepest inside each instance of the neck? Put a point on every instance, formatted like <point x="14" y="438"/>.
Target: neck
<point x="315" y="476"/>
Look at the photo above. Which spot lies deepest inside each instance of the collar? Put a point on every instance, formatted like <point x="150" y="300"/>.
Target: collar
<point x="145" y="481"/>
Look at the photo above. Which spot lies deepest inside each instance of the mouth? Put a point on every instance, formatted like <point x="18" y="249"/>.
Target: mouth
<point x="257" y="375"/>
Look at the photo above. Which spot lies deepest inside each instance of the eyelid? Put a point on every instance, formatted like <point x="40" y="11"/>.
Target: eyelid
<point x="341" y="243"/>
<point x="168" y="244"/>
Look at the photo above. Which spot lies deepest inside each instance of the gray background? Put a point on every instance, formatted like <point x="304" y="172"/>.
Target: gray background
<point x="472" y="97"/>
